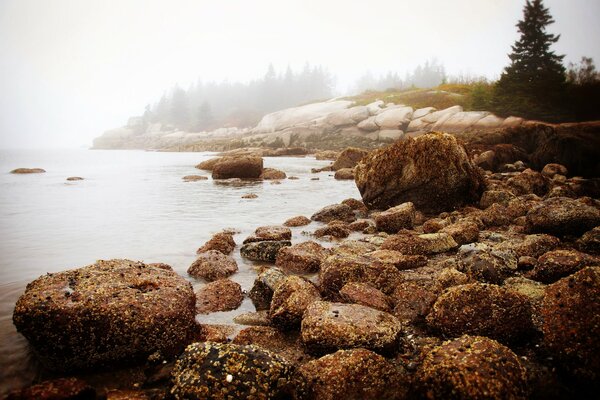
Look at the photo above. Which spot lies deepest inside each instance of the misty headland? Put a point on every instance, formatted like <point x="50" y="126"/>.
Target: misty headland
<point x="422" y="234"/>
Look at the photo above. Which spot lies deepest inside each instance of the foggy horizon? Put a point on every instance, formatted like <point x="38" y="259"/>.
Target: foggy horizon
<point x="72" y="70"/>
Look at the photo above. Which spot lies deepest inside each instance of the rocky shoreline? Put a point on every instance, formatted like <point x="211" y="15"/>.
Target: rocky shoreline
<point x="468" y="275"/>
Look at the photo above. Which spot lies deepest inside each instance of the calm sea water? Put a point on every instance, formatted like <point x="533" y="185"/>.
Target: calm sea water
<point x="132" y="204"/>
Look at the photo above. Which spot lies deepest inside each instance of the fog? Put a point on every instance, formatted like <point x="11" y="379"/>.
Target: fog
<point x="71" y="69"/>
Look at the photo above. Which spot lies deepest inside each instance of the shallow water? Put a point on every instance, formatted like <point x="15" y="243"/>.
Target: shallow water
<point x="132" y="204"/>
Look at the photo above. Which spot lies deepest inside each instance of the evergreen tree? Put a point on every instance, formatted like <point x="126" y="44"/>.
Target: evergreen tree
<point x="204" y="117"/>
<point x="179" y="108"/>
<point x="534" y="82"/>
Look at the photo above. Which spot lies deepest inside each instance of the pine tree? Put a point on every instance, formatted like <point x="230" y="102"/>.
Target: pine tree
<point x="534" y="82"/>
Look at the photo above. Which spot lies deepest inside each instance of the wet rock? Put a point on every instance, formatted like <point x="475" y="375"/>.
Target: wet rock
<point x="433" y="172"/>
<point x="222" y="241"/>
<point x="366" y="295"/>
<point x="220" y="371"/>
<point x="79" y="178"/>
<point x="571" y="315"/>
<point x="326" y="155"/>
<point x="348" y="158"/>
<point x="361" y="225"/>
<point x="212" y="265"/>
<point x="501" y="197"/>
<point x="57" y="389"/>
<point x="529" y="181"/>
<point x="303" y="258"/>
<point x="562" y="216"/>
<point x="495" y="215"/>
<point x="215" y="333"/>
<point x="284" y="344"/>
<point x="590" y="241"/>
<point x="209" y="164"/>
<point x="270" y="233"/>
<point x="264" y="286"/>
<point x="187" y="178"/>
<point x="413" y="299"/>
<point x="339" y="212"/>
<point x="396" y="218"/>
<point x="481" y="309"/>
<point x="462" y="232"/>
<point x="28" y="171"/>
<point x="449" y="277"/>
<point x="255" y="318"/>
<point x="488" y="265"/>
<point x="355" y="204"/>
<point x="398" y="259"/>
<point x="161" y="266"/>
<point x="331" y="326"/>
<point x="297" y="221"/>
<point x="550" y="170"/>
<point x="250" y="196"/>
<point x="244" y="167"/>
<point x="339" y="231"/>
<point x="439" y="242"/>
<point x="263" y="251"/>
<point x="434" y="225"/>
<point x="339" y="269"/>
<point x="429" y="243"/>
<point x="220" y="295"/>
<point x="557" y="264"/>
<point x="351" y="374"/>
<point x="130" y="309"/>
<point x="536" y="245"/>
<point x="471" y="367"/>
<point x="272" y="173"/>
<point x="344" y="174"/>
<point x="290" y="300"/>
<point x="353" y="248"/>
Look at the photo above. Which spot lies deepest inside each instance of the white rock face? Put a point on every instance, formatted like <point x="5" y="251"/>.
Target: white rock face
<point x="299" y="115"/>
<point x="368" y="125"/>
<point x="421" y="112"/>
<point x="349" y="116"/>
<point x="489" y="122"/>
<point x="437" y="115"/>
<point x="394" y="118"/>
<point x="460" y="121"/>
<point x="512" y="121"/>
<point x="417" y="125"/>
<point x="390" y="134"/>
<point x="375" y="107"/>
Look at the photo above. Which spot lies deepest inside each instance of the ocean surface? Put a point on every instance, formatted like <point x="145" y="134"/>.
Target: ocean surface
<point x="134" y="205"/>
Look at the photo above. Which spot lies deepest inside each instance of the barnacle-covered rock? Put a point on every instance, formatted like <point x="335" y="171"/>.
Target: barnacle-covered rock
<point x="212" y="265"/>
<point x="222" y="241"/>
<point x="290" y="300"/>
<point x="263" y="251"/>
<point x="220" y="295"/>
<point x="302" y="258"/>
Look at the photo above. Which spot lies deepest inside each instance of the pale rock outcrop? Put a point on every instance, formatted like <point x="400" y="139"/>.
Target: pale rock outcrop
<point x="394" y="118"/>
<point x="390" y="134"/>
<point x="421" y="112"/>
<point x="460" y="121"/>
<point x="298" y="115"/>
<point x="349" y="116"/>
<point x="368" y="125"/>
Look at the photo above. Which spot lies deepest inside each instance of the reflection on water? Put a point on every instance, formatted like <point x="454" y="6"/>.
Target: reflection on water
<point x="132" y="204"/>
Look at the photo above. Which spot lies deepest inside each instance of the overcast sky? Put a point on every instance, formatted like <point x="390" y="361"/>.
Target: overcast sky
<point x="70" y="69"/>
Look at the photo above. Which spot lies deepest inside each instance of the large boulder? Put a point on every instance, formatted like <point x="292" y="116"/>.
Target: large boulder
<point x="222" y="241"/>
<point x="302" y="258"/>
<point x="245" y="167"/>
<point x="562" y="216"/>
<point x="264" y="286"/>
<point x="208" y="165"/>
<point x="557" y="264"/>
<point x="471" y="367"/>
<point x="331" y="326"/>
<point x="219" y="371"/>
<point x="106" y="313"/>
<point x="220" y="295"/>
<point x="396" y="218"/>
<point x="354" y="374"/>
<point x="394" y="118"/>
<point x="433" y="172"/>
<point x="349" y="158"/>
<point x="349" y="116"/>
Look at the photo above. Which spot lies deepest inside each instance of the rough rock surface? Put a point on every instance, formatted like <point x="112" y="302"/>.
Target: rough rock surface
<point x="482" y="309"/>
<point x="187" y="178"/>
<point x="263" y="251"/>
<point x="222" y="241"/>
<point x="330" y="326"/>
<point x="297" y="221"/>
<point x="488" y="265"/>
<point x="264" y="286"/>
<point x="221" y="371"/>
<point x="220" y="295"/>
<point x="271" y="232"/>
<point x="290" y="300"/>
<point x="334" y="212"/>
<point x="302" y="258"/>
<point x="285" y="344"/>
<point x="396" y="218"/>
<point x="562" y="216"/>
<point x="349" y="158"/>
<point x="571" y="327"/>
<point x="212" y="265"/>
<point x="130" y="309"/>
<point x="399" y="260"/>
<point x="590" y="241"/>
<point x="557" y="264"/>
<point x="344" y="174"/>
<point x="272" y="173"/>
<point x="462" y="232"/>
<point x="472" y="367"/>
<point x="57" y="389"/>
<point x="336" y="230"/>
<point x="28" y="171"/>
<point x="366" y="295"/>
<point x="209" y="164"/>
<point x="355" y="374"/>
<point x="246" y="167"/>
<point x="433" y="172"/>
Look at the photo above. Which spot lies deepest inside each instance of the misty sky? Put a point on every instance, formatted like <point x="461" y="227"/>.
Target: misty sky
<point x="70" y="69"/>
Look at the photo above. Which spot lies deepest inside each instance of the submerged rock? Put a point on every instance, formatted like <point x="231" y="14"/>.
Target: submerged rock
<point x="272" y="173"/>
<point x="220" y="295"/>
<point x="349" y="158"/>
<point x="471" y="367"/>
<point x="187" y="178"/>
<point x="130" y="309"/>
<point x="297" y="221"/>
<point x="244" y="167"/>
<point x="334" y="212"/>
<point x="28" y="171"/>
<point x="76" y="178"/>
<point x="212" y="265"/>
<point x="219" y="371"/>
<point x="222" y="241"/>
<point x="433" y="172"/>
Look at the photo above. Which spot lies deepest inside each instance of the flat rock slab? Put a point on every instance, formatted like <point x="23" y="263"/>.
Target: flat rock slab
<point x="330" y="326"/>
<point x="105" y="313"/>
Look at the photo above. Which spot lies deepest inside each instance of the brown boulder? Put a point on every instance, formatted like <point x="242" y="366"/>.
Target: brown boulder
<point x="56" y="389"/>
<point x="297" y="221"/>
<point x="348" y="158"/>
<point x="471" y="367"/>
<point x="220" y="295"/>
<point x="28" y="171"/>
<point x="290" y="300"/>
<point x="187" y="178"/>
<point x="331" y="326"/>
<point x="399" y="260"/>
<point x="590" y="241"/>
<point x="488" y="265"/>
<point x="212" y="265"/>
<point x="528" y="182"/>
<point x="433" y="172"/>
<point x="263" y="251"/>
<point x="562" y="216"/>
<point x="344" y="174"/>
<point x="501" y="197"/>
<point x="550" y="170"/>
<point x="396" y="218"/>
<point x="366" y="295"/>
<point x="571" y="327"/>
<point x="426" y="244"/>
<point x="284" y="344"/>
<point x="209" y="164"/>
<point x="338" y="230"/>
<point x="272" y="173"/>
<point x="334" y="212"/>
<point x="302" y="258"/>
<point x="482" y="309"/>
<point x="462" y="232"/>
<point x="557" y="264"/>
<point x="354" y="374"/>
<point x="264" y="286"/>
<point x="270" y="233"/>
<point x="130" y="309"/>
<point x="222" y="241"/>
<point x="245" y="167"/>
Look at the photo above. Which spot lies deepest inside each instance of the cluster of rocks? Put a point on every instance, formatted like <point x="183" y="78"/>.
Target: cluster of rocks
<point x="445" y="281"/>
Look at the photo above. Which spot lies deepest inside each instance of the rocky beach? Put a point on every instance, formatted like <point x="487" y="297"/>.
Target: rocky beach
<point x="469" y="268"/>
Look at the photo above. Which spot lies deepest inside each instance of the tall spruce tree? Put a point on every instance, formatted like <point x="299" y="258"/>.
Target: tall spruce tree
<point x="533" y="85"/>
